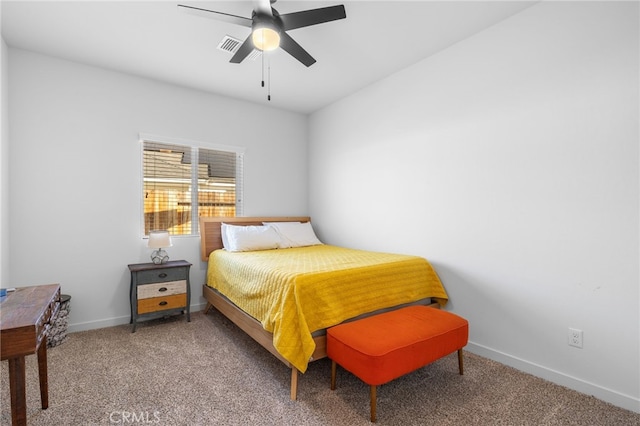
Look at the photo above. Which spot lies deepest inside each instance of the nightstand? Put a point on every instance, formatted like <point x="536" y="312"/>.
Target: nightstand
<point x="159" y="290"/>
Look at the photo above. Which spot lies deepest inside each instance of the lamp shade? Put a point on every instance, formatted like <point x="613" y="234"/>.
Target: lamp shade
<point x="266" y="39"/>
<point x="159" y="239"/>
<point x="265" y="34"/>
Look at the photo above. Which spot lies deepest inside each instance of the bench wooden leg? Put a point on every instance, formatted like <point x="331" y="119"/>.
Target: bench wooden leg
<point x="460" y="362"/>
<point x="333" y="375"/>
<point x="373" y="403"/>
<point x="294" y="383"/>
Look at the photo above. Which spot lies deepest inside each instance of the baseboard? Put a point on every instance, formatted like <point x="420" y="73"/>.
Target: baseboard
<point x="112" y="322"/>
<point x="93" y="325"/>
<point x="608" y="395"/>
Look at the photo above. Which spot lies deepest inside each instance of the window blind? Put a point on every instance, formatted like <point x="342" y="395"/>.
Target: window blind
<point x="182" y="182"/>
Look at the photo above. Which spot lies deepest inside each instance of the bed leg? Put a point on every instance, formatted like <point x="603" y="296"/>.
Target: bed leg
<point x="294" y="383"/>
<point x="207" y="308"/>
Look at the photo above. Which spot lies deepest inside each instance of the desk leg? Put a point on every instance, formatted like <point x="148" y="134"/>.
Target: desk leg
<point x="42" y="372"/>
<point x="18" y="391"/>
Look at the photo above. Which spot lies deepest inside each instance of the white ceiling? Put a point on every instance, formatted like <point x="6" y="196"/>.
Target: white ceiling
<point x="153" y="39"/>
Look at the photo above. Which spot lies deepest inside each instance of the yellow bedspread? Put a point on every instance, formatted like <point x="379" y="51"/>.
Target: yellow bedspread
<point x="294" y="292"/>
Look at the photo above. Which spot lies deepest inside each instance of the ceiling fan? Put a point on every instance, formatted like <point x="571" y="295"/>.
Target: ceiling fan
<point x="269" y="28"/>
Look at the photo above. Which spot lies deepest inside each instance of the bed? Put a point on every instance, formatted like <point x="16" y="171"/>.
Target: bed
<point x="285" y="298"/>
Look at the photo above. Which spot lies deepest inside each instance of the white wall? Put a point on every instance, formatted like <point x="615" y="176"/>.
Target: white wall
<point x="4" y="163"/>
<point x="75" y="194"/>
<point x="510" y="160"/>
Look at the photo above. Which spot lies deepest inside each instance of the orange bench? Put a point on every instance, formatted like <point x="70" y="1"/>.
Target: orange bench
<point x="384" y="347"/>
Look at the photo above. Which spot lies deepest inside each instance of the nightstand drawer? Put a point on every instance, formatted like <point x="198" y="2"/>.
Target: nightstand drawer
<point x="162" y="289"/>
<point x="156" y="304"/>
<point x="162" y="275"/>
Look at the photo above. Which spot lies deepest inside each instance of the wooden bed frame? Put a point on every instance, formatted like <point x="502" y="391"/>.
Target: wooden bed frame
<point x="210" y="240"/>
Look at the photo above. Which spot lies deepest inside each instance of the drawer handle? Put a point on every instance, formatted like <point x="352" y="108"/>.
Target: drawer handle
<point x="164" y="302"/>
<point x="163" y="275"/>
<point x="162" y="289"/>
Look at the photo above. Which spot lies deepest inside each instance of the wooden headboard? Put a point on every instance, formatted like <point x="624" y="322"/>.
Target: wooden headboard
<point x="211" y="240"/>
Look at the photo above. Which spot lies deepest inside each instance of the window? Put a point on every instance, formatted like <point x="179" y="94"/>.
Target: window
<point x="181" y="183"/>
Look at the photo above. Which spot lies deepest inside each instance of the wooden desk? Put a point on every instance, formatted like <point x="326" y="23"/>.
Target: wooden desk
<point x="25" y="316"/>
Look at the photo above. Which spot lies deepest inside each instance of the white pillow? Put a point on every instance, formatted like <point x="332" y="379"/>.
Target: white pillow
<point x="223" y="234"/>
<point x="247" y="238"/>
<point x="295" y="234"/>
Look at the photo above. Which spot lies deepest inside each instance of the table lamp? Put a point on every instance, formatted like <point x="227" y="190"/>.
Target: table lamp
<point x="158" y="240"/>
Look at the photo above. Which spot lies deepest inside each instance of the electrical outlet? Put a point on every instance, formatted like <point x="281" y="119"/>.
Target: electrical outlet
<point x="575" y="337"/>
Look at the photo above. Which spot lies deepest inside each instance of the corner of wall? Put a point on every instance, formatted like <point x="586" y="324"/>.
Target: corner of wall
<point x="4" y="163"/>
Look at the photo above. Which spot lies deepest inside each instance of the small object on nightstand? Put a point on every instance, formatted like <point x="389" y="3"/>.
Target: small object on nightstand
<point x="159" y="240"/>
<point x="159" y="289"/>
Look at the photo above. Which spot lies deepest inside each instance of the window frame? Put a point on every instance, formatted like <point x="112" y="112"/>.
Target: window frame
<point x="195" y="146"/>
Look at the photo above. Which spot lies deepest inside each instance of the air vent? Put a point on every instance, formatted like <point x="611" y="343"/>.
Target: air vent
<point x="231" y="45"/>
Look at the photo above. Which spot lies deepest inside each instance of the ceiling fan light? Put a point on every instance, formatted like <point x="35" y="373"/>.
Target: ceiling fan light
<point x="265" y="38"/>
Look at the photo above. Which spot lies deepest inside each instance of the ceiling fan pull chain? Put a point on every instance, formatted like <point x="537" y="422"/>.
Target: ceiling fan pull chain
<point x="262" y="58"/>
<point x="269" y="80"/>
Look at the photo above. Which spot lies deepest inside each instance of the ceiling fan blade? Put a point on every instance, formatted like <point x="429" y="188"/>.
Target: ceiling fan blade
<point x="294" y="49"/>
<point x="263" y="7"/>
<point x="243" y="51"/>
<point x="220" y="16"/>
<point x="306" y="18"/>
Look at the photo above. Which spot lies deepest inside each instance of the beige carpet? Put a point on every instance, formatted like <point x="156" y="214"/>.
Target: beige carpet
<point x="208" y="372"/>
